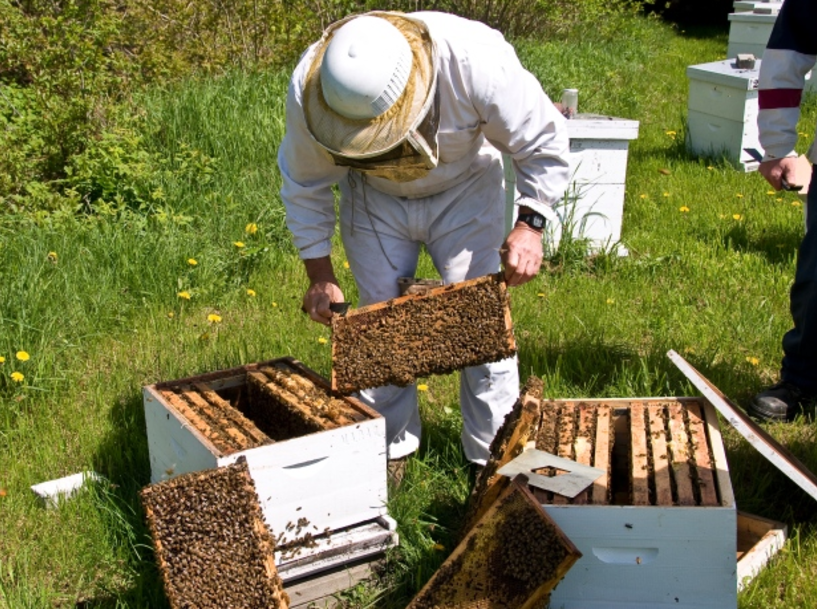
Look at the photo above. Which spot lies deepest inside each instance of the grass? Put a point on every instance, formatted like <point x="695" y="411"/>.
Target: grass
<point x="95" y="302"/>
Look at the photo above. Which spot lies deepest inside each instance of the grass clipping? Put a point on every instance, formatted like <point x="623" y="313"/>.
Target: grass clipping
<point x="212" y="546"/>
<point x="445" y="329"/>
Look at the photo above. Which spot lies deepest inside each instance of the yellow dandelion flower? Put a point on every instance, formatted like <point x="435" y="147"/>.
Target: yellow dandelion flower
<point x="251" y="228"/>
<point x="739" y="196"/>
<point x="23" y="356"/>
<point x="238" y="244"/>
<point x="52" y="256"/>
<point x="666" y="194"/>
<point x="683" y="209"/>
<point x="250" y="292"/>
<point x="770" y="192"/>
<point x="274" y="304"/>
<point x="346" y="264"/>
<point x="796" y="204"/>
<point x="192" y="261"/>
<point x="213" y="318"/>
<point x="779" y="199"/>
<point x="2" y="360"/>
<point x="17" y="377"/>
<point x="422" y="387"/>
<point x="171" y="315"/>
<point x="322" y="340"/>
<point x="753" y="360"/>
<point x="642" y="196"/>
<point x="611" y="300"/>
<point x="737" y="217"/>
<point x="439" y="547"/>
<point x="671" y="133"/>
<point x="185" y="294"/>
<point x="541" y="294"/>
<point x="710" y="167"/>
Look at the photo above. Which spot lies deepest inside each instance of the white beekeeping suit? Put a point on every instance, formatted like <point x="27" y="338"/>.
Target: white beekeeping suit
<point x="427" y="170"/>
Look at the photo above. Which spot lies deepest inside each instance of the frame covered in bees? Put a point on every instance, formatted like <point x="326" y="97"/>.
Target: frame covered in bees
<point x="318" y="461"/>
<point x="433" y="332"/>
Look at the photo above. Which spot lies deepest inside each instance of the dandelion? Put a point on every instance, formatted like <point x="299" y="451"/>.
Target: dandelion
<point x="671" y="133"/>
<point x="322" y="340"/>
<point x="642" y="196"/>
<point x="422" y="387"/>
<point x="779" y="199"/>
<point x="541" y="294"/>
<point x="238" y="244"/>
<point x="2" y="360"/>
<point x="710" y="167"/>
<point x="611" y="301"/>
<point x="737" y="217"/>
<point x="666" y="194"/>
<point x="17" y="377"/>
<point x="185" y="294"/>
<point x="3" y="492"/>
<point x="23" y="356"/>
<point x="251" y="292"/>
<point x="439" y="547"/>
<point x="739" y="196"/>
<point x="796" y="204"/>
<point x="346" y="264"/>
<point x="770" y="192"/>
<point x="274" y="304"/>
<point x="52" y="256"/>
<point x="251" y="228"/>
<point x="213" y="318"/>
<point x="683" y="209"/>
<point x="171" y="315"/>
<point x="753" y="360"/>
<point x="192" y="261"/>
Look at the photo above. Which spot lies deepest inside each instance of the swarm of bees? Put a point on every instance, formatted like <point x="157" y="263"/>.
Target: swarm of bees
<point x="212" y="546"/>
<point x="444" y="329"/>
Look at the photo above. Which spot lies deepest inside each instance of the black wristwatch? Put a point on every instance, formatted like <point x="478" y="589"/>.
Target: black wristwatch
<point x="532" y="219"/>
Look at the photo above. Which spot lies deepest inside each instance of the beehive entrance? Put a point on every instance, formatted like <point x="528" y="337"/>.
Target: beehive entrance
<point x="655" y="453"/>
<point x="259" y="405"/>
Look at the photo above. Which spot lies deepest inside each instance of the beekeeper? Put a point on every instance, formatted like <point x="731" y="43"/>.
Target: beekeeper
<point x="408" y="115"/>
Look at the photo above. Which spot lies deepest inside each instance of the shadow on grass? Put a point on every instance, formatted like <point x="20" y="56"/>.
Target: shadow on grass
<point x="122" y="458"/>
<point x="776" y="246"/>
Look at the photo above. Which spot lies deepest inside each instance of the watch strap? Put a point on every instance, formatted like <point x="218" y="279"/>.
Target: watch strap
<point x="534" y="220"/>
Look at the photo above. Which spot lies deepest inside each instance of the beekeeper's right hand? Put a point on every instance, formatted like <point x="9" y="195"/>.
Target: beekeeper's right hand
<point x="323" y="290"/>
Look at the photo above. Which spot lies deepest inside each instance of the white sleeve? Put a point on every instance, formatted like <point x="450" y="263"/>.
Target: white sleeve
<point x="308" y="173"/>
<point x="519" y="119"/>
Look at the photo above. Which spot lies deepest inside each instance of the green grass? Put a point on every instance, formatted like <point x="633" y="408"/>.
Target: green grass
<point x="104" y="319"/>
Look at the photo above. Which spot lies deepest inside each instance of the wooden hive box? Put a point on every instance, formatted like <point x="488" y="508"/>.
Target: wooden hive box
<point x="435" y="332"/>
<point x="318" y="462"/>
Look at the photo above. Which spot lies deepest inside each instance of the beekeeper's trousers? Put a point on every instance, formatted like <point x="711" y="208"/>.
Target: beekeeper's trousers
<point x="462" y="229"/>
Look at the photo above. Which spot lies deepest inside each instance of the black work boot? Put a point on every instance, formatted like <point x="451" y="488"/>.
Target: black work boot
<point x="781" y="402"/>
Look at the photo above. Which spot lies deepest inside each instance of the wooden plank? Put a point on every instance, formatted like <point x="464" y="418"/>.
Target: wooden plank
<point x="513" y="557"/>
<point x="254" y="436"/>
<point x="703" y="461"/>
<point x="660" y="454"/>
<point x="759" y="539"/>
<point x="639" y="464"/>
<point x="583" y="446"/>
<point x="567" y="436"/>
<point x="679" y="451"/>
<point x="446" y="329"/>
<point x="321" y="590"/>
<point x="200" y="421"/>
<point x="601" y="456"/>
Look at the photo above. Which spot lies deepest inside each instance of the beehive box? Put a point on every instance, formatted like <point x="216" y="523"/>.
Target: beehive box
<point x="743" y="6"/>
<point x="722" y="112"/>
<point x="749" y="31"/>
<point x="318" y="462"/>
<point x="435" y="332"/>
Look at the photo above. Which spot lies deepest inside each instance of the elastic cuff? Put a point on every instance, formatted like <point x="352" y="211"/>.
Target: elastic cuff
<point x="539" y="207"/>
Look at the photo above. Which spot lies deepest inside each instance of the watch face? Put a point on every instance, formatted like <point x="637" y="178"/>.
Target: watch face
<point x="537" y="221"/>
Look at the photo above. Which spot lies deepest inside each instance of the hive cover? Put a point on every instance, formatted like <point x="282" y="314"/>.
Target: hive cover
<point x="770" y="448"/>
<point x="445" y="329"/>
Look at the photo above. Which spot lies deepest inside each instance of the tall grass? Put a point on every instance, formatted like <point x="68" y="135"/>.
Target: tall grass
<point x="99" y="302"/>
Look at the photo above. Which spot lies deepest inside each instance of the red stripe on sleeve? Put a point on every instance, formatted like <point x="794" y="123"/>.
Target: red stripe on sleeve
<point x="772" y="99"/>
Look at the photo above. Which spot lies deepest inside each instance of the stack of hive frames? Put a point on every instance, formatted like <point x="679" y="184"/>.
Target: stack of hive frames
<point x="445" y="329"/>
<point x="511" y="558"/>
<point x="281" y="400"/>
<point x="212" y="546"/>
<point x="655" y="452"/>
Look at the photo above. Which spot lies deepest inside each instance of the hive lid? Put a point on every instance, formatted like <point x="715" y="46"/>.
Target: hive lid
<point x="601" y="127"/>
<point x="770" y="448"/>
<point x="726" y="73"/>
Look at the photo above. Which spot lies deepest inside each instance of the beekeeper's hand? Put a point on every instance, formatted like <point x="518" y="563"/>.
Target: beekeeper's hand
<point x="777" y="170"/>
<point x="522" y="254"/>
<point x="323" y="290"/>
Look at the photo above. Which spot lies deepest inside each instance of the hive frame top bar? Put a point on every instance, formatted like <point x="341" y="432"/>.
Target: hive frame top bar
<point x="765" y="444"/>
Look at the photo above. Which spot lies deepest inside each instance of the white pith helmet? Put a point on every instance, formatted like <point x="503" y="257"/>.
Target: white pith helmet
<point x="365" y="68"/>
